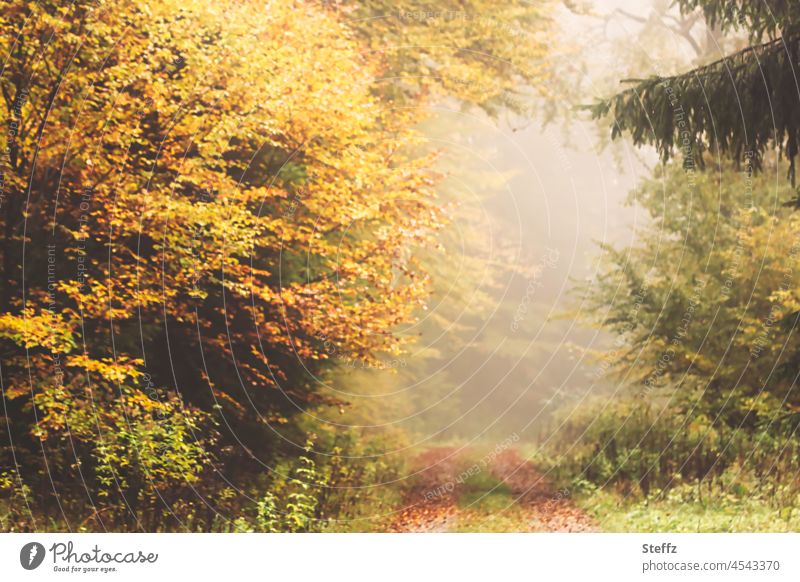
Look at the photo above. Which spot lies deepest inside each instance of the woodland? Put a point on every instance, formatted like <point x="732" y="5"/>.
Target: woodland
<point x="216" y="214"/>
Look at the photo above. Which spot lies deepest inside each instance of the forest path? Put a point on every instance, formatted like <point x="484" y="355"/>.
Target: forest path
<point x="458" y="490"/>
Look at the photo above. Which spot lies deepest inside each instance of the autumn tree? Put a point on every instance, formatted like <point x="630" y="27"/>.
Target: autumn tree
<point x="205" y="213"/>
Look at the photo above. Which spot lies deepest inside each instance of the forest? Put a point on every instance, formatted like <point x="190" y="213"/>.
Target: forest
<point x="370" y="266"/>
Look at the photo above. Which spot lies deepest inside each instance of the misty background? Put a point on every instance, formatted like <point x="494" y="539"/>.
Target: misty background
<point x="498" y="347"/>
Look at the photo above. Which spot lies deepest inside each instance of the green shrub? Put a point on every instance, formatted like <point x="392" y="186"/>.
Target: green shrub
<point x="641" y="450"/>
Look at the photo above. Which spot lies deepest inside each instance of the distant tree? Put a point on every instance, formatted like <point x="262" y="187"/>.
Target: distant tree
<point x="490" y="54"/>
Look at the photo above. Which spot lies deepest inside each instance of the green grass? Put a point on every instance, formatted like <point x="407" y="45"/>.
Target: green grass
<point x="371" y="513"/>
<point x="487" y="505"/>
<point x="681" y="511"/>
<point x="483" y="492"/>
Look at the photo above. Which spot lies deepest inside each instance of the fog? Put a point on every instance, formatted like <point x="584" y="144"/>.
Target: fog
<point x="501" y="344"/>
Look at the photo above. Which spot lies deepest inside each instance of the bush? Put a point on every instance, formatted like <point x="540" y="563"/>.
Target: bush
<point x="644" y="450"/>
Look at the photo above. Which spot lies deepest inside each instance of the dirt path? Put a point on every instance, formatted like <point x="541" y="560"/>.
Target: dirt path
<point x="429" y="507"/>
<point x="461" y="491"/>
